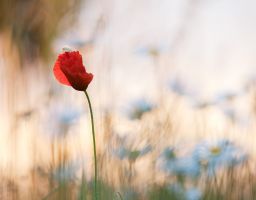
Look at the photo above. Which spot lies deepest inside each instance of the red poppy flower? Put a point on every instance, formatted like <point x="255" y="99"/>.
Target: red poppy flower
<point x="69" y="70"/>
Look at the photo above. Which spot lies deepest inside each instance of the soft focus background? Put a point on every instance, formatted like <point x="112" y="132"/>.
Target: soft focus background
<point x="174" y="97"/>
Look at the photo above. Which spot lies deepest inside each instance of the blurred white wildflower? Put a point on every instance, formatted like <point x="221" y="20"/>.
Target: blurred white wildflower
<point x="66" y="172"/>
<point x="177" y="189"/>
<point x="225" y="102"/>
<point x="181" y="192"/>
<point x="121" y="153"/>
<point x="193" y="194"/>
<point x="222" y="154"/>
<point x="78" y="43"/>
<point x="151" y="50"/>
<point x="131" y="154"/>
<point x="58" y="118"/>
<point x="138" y="108"/>
<point x="202" y="104"/>
<point x="178" y="87"/>
<point x="228" y="96"/>
<point x="180" y="166"/>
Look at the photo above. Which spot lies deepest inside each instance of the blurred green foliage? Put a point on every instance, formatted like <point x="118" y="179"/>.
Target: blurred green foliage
<point x="34" y="24"/>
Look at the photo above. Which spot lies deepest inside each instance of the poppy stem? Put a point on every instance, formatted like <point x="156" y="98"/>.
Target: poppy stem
<point x="94" y="146"/>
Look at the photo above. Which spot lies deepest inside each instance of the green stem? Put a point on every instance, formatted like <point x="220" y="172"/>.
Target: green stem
<point x="94" y="147"/>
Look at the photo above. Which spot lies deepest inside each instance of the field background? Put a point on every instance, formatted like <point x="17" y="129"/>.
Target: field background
<point x="174" y="97"/>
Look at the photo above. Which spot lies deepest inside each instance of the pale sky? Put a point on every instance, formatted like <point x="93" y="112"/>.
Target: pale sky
<point x="215" y="50"/>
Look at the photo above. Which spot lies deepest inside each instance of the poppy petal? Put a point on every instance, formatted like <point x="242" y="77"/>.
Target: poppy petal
<point x="69" y="70"/>
<point x="78" y="81"/>
<point x="59" y="75"/>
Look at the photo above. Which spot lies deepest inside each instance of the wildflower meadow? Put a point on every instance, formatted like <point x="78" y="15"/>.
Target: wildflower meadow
<point x="127" y="100"/>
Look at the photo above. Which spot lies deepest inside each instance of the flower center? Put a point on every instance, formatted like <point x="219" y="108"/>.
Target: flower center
<point x="215" y="151"/>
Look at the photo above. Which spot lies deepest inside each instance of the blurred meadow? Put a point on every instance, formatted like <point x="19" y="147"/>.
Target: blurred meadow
<point x="174" y="98"/>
